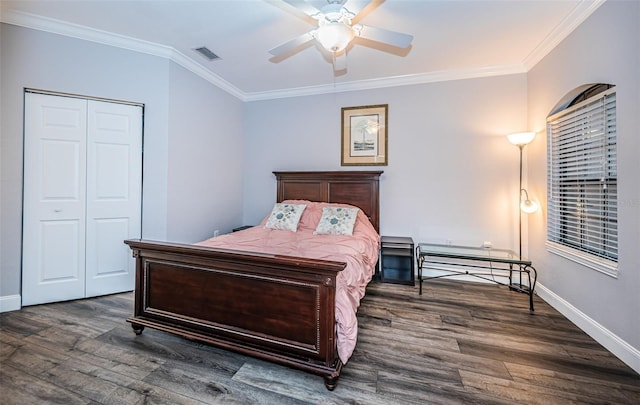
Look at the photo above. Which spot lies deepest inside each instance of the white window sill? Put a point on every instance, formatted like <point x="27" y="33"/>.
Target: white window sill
<point x="605" y="266"/>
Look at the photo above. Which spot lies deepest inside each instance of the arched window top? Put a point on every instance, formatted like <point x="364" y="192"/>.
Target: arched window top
<point x="579" y="94"/>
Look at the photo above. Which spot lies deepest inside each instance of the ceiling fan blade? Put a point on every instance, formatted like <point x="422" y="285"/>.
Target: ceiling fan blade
<point x="385" y="36"/>
<point x="340" y="62"/>
<point x="303" y="6"/>
<point x="292" y="44"/>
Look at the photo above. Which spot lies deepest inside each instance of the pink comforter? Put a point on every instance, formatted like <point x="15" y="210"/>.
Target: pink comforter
<point x="359" y="252"/>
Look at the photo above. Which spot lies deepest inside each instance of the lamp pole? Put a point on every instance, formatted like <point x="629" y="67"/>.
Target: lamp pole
<point x="521" y="147"/>
<point x="520" y="140"/>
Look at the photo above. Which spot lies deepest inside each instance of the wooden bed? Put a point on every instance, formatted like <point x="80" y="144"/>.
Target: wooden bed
<point x="276" y="308"/>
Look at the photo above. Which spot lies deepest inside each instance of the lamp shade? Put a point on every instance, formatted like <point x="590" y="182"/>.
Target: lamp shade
<point x="521" y="138"/>
<point x="529" y="206"/>
<point x="334" y="36"/>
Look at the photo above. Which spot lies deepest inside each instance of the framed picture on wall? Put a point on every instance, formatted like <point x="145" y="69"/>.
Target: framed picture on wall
<point x="364" y="135"/>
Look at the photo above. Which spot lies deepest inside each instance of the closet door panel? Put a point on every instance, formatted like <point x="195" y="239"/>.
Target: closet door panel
<point x="57" y="263"/>
<point x="53" y="251"/>
<point x="114" y="186"/>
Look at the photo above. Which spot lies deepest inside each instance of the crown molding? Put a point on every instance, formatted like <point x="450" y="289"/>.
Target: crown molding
<point x="394" y="81"/>
<point x="196" y="68"/>
<point x="68" y="29"/>
<point x="54" y="26"/>
<point x="581" y="12"/>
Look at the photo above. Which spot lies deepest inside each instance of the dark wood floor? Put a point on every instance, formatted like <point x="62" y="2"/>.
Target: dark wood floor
<point x="459" y="343"/>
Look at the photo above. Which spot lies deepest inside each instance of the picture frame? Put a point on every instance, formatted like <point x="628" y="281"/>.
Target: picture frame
<point x="364" y="135"/>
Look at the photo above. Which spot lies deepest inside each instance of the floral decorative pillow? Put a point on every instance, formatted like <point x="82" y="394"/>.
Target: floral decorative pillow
<point x="337" y="221"/>
<point x="285" y="216"/>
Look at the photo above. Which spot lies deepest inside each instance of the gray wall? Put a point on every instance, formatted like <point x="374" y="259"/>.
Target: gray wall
<point x="205" y="160"/>
<point x="605" y="48"/>
<point x="184" y="117"/>
<point x="452" y="174"/>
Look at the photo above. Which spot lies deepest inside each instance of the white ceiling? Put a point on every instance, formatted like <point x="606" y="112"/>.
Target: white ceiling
<point x="452" y="38"/>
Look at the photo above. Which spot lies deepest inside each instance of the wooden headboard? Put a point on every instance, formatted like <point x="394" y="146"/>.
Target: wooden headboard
<point x="358" y="188"/>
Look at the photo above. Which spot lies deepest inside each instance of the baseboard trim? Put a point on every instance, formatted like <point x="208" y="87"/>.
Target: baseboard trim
<point x="620" y="348"/>
<point x="10" y="303"/>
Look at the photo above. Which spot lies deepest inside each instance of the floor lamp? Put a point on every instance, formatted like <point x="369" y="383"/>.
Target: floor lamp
<point x="521" y="139"/>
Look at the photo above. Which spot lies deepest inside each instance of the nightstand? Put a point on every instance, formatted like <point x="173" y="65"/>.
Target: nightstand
<point x="397" y="263"/>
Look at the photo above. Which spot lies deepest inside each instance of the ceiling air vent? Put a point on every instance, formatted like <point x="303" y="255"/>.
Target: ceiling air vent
<point x="206" y="52"/>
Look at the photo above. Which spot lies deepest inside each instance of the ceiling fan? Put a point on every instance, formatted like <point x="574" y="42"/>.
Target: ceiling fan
<point x="336" y="29"/>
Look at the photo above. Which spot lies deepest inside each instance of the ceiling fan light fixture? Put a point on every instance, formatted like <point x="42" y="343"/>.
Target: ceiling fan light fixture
<point x="334" y="36"/>
<point x="335" y="30"/>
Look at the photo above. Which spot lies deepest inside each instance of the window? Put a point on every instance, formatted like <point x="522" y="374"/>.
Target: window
<point x="582" y="216"/>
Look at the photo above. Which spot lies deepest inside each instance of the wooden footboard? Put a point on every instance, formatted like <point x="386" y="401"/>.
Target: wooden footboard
<point x="277" y="308"/>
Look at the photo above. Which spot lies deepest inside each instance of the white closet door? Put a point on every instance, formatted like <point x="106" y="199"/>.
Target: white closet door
<point x="53" y="254"/>
<point x="114" y="184"/>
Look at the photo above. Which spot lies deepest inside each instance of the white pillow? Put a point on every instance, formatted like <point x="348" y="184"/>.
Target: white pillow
<point x="337" y="221"/>
<point x="285" y="216"/>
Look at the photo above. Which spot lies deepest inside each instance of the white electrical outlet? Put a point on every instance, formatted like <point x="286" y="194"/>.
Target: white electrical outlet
<point x="216" y="233"/>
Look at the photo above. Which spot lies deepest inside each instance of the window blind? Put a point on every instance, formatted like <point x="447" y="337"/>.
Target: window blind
<point x="582" y="177"/>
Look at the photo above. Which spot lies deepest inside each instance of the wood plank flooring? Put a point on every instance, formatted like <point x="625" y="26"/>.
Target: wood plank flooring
<point x="458" y="343"/>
